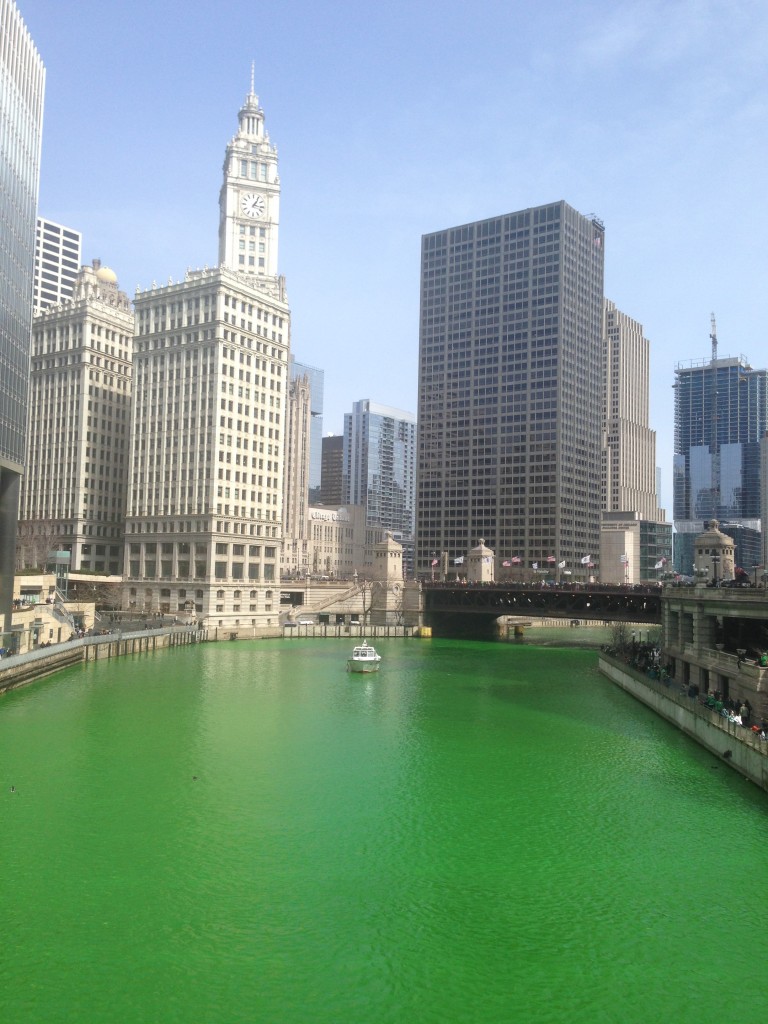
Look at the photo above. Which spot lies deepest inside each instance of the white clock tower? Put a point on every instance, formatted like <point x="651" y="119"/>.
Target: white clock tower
<point x="249" y="202"/>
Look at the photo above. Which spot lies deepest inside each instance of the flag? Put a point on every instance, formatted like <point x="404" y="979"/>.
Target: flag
<point x="591" y="565"/>
<point x="623" y="559"/>
<point x="435" y="562"/>
<point x="516" y="560"/>
<point x="534" y="565"/>
<point x="561" y="565"/>
<point x="550" y="558"/>
<point x="586" y="559"/>
<point x="459" y="560"/>
<point x="659" y="565"/>
<point x="506" y="564"/>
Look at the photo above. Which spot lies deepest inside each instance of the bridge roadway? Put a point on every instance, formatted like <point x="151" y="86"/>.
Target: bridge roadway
<point x="472" y="609"/>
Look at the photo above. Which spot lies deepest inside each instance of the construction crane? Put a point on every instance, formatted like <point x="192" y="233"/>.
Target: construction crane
<point x="713" y="337"/>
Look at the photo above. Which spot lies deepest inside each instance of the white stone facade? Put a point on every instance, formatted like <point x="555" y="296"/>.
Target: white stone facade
<point x="74" y="489"/>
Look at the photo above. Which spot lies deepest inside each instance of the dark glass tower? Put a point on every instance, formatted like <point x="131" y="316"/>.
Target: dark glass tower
<point x="510" y="388"/>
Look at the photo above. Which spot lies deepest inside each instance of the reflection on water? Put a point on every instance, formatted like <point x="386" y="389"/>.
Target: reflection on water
<point x="480" y="832"/>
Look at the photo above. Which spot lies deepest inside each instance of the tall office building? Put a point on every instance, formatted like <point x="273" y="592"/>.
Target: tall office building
<point x="635" y="540"/>
<point x="721" y="413"/>
<point x="629" y="468"/>
<point x="510" y="388"/>
<point x="379" y="469"/>
<point x="73" y="492"/>
<point x="58" y="254"/>
<point x="204" y="522"/>
<point x="332" y="471"/>
<point x="22" y="88"/>
<point x="295" y="549"/>
<point x="316" y="379"/>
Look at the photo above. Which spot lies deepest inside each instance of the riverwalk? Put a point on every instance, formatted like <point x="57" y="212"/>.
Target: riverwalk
<point x="737" y="746"/>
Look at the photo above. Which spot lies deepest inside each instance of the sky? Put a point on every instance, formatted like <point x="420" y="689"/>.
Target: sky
<point x="401" y="118"/>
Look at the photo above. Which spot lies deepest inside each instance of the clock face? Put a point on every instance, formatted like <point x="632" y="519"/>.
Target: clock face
<point x="253" y="205"/>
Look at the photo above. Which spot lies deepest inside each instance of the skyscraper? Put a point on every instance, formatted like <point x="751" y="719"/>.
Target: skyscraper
<point x="332" y="476"/>
<point x="73" y="493"/>
<point x="629" y="474"/>
<point x="204" y="521"/>
<point x="22" y="87"/>
<point x="295" y="548"/>
<point x="379" y="468"/>
<point x="721" y="413"/>
<point x="635" y="540"/>
<point x="58" y="254"/>
<point x="316" y="379"/>
<point x="510" y="388"/>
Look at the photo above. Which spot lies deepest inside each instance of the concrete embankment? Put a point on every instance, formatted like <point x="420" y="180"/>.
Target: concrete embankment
<point x="734" y="745"/>
<point x="21" y="669"/>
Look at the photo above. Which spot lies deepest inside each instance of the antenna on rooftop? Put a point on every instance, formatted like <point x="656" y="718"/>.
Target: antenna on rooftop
<point x="713" y="338"/>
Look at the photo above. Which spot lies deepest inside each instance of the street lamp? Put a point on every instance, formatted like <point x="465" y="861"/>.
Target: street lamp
<point x="715" y="563"/>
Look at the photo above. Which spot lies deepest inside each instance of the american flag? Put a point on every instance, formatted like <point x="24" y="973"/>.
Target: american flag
<point x="506" y="564"/>
<point x="516" y="560"/>
<point x="435" y="561"/>
<point x="550" y="558"/>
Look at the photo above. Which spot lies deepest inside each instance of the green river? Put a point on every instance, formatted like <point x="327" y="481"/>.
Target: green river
<point x="244" y="832"/>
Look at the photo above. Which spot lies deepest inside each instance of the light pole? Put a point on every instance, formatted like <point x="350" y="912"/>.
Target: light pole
<point x="754" y="569"/>
<point x="715" y="563"/>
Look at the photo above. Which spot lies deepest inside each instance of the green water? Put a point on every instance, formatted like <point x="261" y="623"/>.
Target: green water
<point x="479" y="833"/>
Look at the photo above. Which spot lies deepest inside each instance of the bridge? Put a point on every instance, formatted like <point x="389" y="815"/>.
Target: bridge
<point x="471" y="610"/>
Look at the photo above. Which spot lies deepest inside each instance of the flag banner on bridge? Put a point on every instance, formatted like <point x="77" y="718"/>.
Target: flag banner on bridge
<point x="586" y="559"/>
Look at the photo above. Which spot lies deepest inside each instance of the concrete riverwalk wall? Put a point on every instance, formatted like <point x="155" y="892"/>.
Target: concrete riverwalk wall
<point x="734" y="745"/>
<point x="20" y="669"/>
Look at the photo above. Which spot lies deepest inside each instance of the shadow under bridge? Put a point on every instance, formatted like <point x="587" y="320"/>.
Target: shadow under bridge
<point x="467" y="610"/>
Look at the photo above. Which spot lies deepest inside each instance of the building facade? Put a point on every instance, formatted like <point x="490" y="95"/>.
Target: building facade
<point x="58" y="255"/>
<point x="22" y="89"/>
<point x="341" y="542"/>
<point x="379" y="469"/>
<point x="295" y="559"/>
<point x="205" y="515"/>
<point x="721" y="413"/>
<point x="510" y="364"/>
<point x="316" y="378"/>
<point x="635" y="540"/>
<point x="629" y="446"/>
<point x="332" y="471"/>
<point x="74" y="488"/>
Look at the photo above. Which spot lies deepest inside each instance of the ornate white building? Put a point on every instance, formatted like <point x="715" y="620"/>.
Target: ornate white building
<point x="204" y="523"/>
<point x="73" y="490"/>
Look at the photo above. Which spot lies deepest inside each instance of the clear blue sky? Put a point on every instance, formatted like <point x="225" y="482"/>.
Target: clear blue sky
<point x="400" y="118"/>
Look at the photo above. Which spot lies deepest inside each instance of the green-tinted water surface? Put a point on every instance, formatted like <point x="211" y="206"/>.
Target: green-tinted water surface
<point x="244" y="832"/>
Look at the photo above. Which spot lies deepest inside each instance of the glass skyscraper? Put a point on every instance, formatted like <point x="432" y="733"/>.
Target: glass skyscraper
<point x="22" y="88"/>
<point x="721" y="413"/>
<point x="510" y="388"/>
<point x="379" y="469"/>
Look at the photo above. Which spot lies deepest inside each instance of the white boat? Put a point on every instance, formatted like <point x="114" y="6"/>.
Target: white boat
<point x="364" y="659"/>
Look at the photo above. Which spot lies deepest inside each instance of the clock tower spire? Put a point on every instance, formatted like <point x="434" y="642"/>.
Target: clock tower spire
<point x="249" y="201"/>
